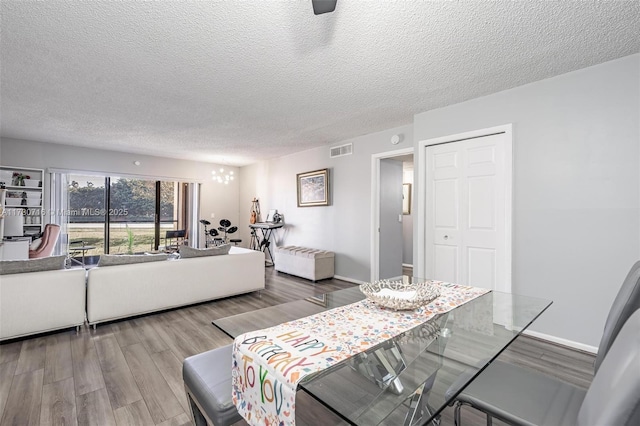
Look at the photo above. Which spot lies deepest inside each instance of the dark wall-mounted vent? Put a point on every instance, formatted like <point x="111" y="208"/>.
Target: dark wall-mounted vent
<point x="342" y="150"/>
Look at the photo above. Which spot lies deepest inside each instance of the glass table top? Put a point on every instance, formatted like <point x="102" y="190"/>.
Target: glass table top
<point x="405" y="379"/>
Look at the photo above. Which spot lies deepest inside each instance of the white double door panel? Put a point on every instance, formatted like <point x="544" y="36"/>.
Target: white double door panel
<point x="466" y="205"/>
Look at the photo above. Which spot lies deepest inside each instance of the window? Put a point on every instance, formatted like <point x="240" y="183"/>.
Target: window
<point x="121" y="214"/>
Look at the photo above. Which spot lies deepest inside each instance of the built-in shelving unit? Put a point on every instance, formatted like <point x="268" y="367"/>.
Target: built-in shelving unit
<point x="24" y="195"/>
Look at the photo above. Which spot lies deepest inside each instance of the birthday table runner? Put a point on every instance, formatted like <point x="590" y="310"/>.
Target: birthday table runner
<point x="268" y="364"/>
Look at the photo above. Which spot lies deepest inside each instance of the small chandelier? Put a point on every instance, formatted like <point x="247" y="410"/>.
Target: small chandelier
<point x="222" y="177"/>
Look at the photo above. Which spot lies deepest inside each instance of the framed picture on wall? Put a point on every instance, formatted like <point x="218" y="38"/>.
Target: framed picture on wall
<point x="406" y="198"/>
<point x="313" y="188"/>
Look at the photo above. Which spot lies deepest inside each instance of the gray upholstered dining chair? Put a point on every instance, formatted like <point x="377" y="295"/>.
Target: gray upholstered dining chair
<point x="523" y="397"/>
<point x="613" y="398"/>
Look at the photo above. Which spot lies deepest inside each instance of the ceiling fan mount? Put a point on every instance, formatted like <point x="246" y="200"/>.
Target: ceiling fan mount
<point x="323" y="6"/>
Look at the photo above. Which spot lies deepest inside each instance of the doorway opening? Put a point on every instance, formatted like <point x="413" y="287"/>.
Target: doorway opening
<point x="392" y="214"/>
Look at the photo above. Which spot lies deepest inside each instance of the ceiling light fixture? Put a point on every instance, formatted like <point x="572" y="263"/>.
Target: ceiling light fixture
<point x="222" y="177"/>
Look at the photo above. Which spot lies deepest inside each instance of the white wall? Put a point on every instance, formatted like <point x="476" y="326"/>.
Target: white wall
<point x="220" y="199"/>
<point x="343" y="227"/>
<point x="254" y="183"/>
<point x="576" y="187"/>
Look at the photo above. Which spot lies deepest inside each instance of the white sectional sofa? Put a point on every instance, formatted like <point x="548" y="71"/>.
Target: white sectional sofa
<point x="37" y="302"/>
<point x="122" y="291"/>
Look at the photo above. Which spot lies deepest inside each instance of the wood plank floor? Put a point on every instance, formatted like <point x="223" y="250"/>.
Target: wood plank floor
<point x="129" y="372"/>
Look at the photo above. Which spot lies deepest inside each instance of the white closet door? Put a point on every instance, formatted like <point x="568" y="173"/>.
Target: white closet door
<point x="466" y="204"/>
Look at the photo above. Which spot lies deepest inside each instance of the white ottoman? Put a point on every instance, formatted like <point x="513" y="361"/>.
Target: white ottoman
<point x="305" y="262"/>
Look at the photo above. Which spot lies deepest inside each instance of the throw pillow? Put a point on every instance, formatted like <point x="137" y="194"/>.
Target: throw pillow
<point x="50" y="263"/>
<point x="187" y="252"/>
<point x="128" y="259"/>
<point x="35" y="244"/>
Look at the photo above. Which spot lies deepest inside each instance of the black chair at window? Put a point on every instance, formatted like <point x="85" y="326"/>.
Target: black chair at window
<point x="179" y="236"/>
<point x="79" y="248"/>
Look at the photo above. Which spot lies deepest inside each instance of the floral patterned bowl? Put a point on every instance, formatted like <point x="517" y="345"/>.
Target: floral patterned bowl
<point x="400" y="296"/>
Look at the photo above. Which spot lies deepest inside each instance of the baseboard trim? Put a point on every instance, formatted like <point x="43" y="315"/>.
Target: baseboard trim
<point x="407" y="265"/>
<point x="349" y="280"/>
<point x="561" y="341"/>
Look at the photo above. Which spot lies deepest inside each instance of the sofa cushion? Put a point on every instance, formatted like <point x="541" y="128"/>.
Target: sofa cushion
<point x="127" y="259"/>
<point x="187" y="252"/>
<point x="50" y="263"/>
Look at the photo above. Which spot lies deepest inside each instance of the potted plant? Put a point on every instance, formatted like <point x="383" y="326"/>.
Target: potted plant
<point x="18" y="178"/>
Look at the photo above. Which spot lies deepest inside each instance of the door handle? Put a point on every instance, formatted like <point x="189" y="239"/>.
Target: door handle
<point x="446" y="237"/>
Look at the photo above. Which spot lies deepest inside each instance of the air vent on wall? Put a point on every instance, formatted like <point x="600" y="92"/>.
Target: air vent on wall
<point x="339" y="151"/>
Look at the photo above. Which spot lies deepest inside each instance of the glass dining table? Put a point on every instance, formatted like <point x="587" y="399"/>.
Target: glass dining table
<point x="408" y="379"/>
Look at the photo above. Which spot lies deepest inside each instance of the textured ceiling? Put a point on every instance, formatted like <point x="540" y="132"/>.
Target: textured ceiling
<point x="238" y="81"/>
